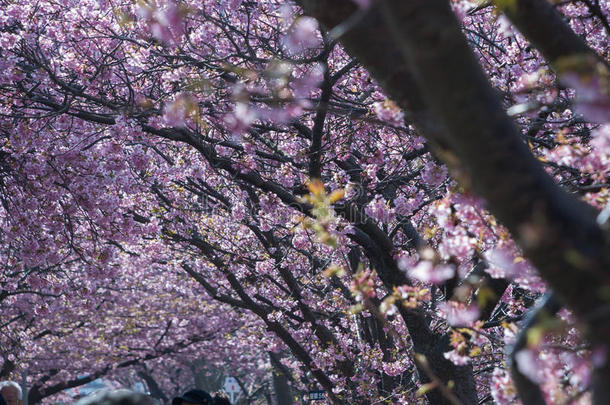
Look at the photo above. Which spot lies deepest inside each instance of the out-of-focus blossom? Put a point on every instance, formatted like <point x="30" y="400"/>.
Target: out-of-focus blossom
<point x="501" y="263"/>
<point x="302" y="35"/>
<point x="505" y="27"/>
<point x="592" y="99"/>
<point x="428" y="272"/>
<point x="363" y="285"/>
<point x="591" y="81"/>
<point x="240" y="119"/>
<point x="459" y="314"/>
<point x="456" y="358"/>
<point x="389" y="112"/>
<point x="528" y="365"/>
<point x="165" y="22"/>
<point x="176" y="112"/>
<point x="303" y="86"/>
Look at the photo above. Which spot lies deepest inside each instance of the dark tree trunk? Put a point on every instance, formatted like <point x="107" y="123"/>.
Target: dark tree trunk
<point x="281" y="386"/>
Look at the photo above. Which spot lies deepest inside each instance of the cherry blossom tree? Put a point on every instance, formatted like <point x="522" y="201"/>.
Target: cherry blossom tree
<point x="373" y="198"/>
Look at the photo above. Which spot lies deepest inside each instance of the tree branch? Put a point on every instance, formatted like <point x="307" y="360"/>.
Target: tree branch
<point x="529" y="392"/>
<point x="541" y="23"/>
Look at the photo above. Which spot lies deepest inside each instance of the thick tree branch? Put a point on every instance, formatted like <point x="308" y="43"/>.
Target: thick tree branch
<point x="558" y="232"/>
<point x="315" y="150"/>
<point x="420" y="41"/>
<point x="541" y="23"/>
